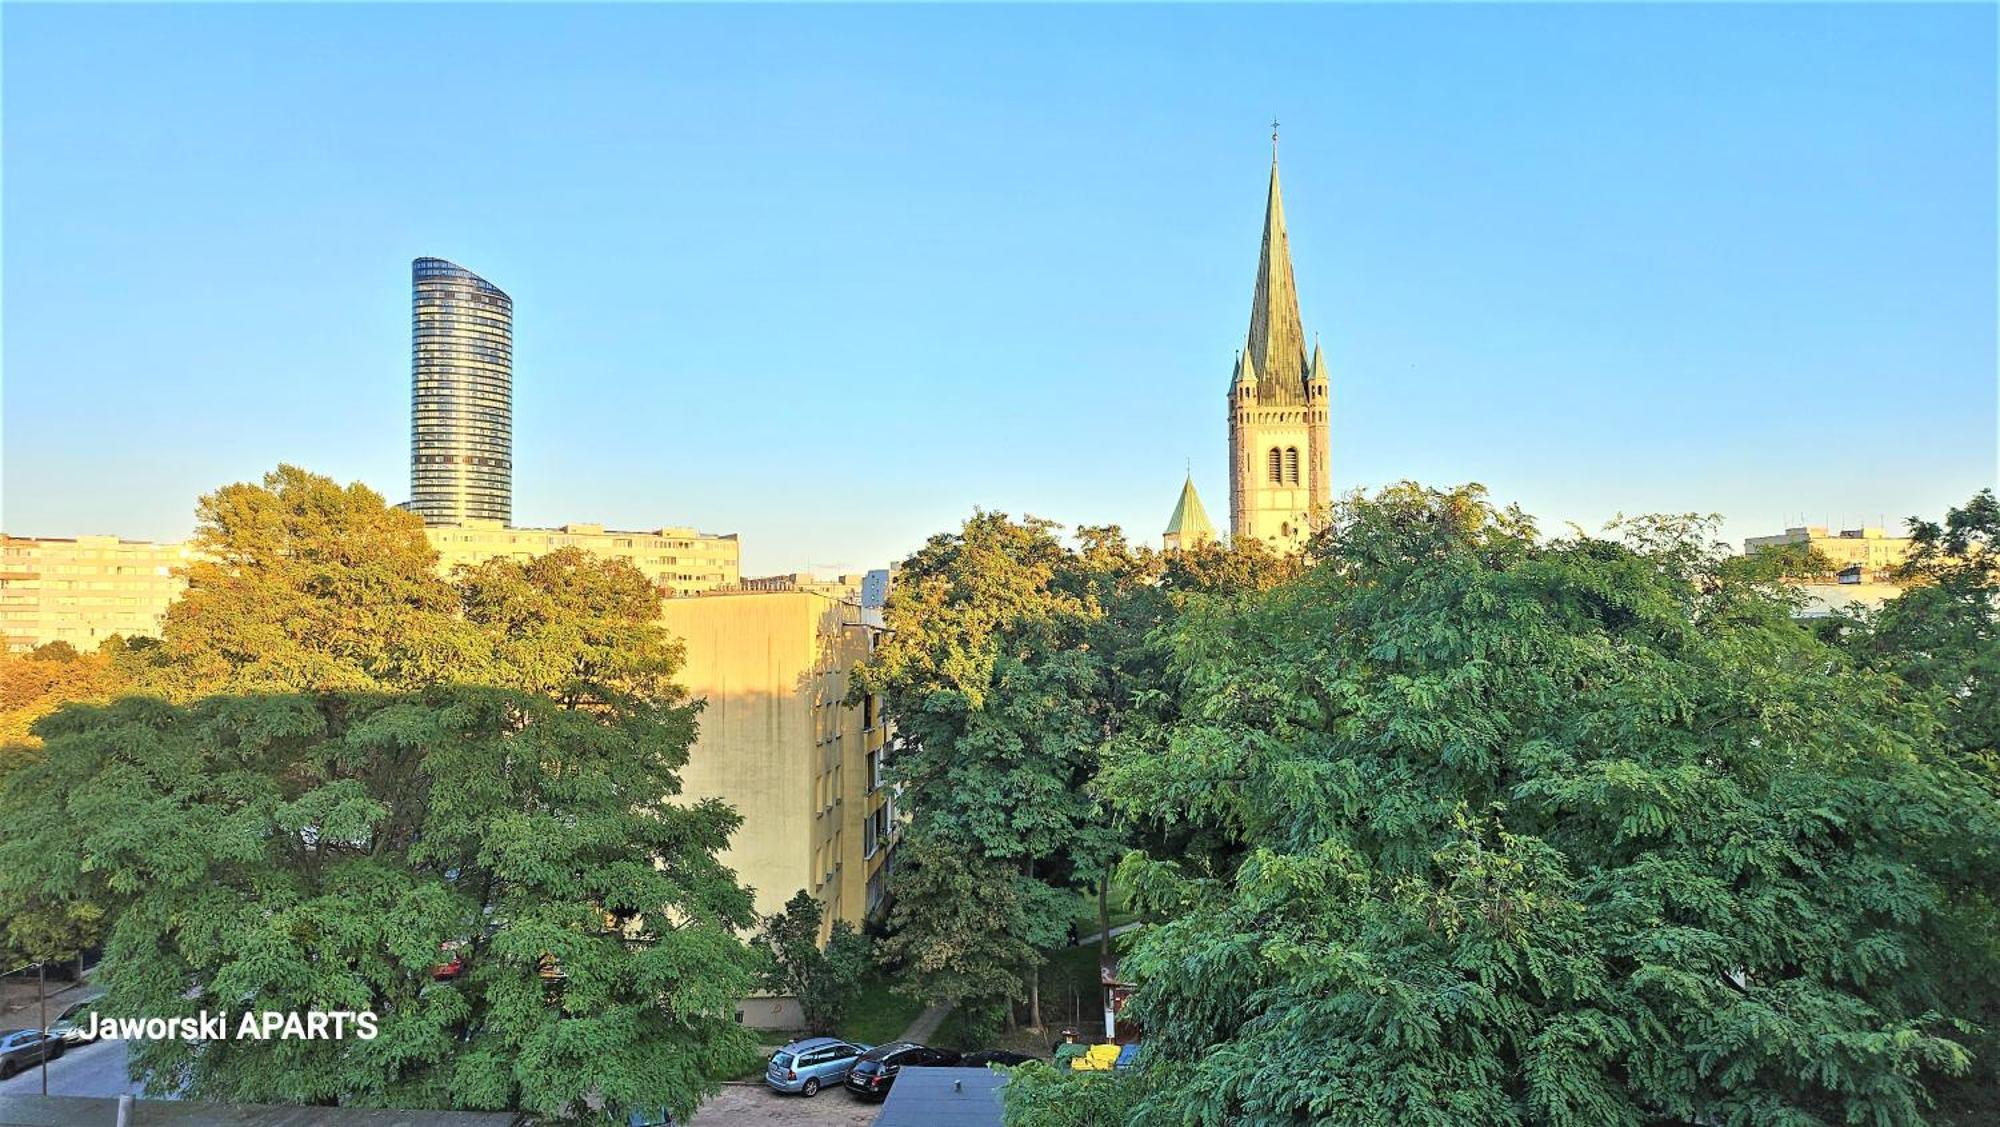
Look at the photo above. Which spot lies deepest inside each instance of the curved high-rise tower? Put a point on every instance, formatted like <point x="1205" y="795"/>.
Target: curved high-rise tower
<point x="461" y="395"/>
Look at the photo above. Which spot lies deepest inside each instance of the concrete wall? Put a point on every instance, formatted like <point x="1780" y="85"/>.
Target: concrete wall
<point x="783" y="1012"/>
<point x="778" y="742"/>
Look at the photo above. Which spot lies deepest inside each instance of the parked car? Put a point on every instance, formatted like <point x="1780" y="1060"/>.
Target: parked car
<point x="875" y="1072"/>
<point x="650" y="1117"/>
<point x="985" y="1057"/>
<point x="809" y="1065"/>
<point x="73" y="1025"/>
<point x="25" y="1048"/>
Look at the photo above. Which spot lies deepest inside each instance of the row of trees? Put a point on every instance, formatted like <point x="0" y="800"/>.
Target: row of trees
<point x="333" y="763"/>
<point x="1013" y="660"/>
<point x="1454" y="823"/>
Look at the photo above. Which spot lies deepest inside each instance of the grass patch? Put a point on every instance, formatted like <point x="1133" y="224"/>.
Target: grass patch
<point x="951" y="1034"/>
<point x="879" y="1014"/>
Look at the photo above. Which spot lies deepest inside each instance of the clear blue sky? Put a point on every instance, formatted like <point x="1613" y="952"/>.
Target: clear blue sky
<point x="831" y="277"/>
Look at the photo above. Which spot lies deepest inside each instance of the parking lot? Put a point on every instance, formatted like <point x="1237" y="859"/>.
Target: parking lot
<point x="748" y="1104"/>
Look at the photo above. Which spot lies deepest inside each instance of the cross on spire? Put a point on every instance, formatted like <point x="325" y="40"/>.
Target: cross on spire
<point x="1274" y="139"/>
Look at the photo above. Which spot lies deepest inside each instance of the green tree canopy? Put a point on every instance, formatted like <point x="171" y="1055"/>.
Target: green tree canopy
<point x="1001" y="704"/>
<point x="1941" y="639"/>
<point x="826" y="979"/>
<point x="363" y="762"/>
<point x="314" y="851"/>
<point x="302" y="583"/>
<point x="1498" y="830"/>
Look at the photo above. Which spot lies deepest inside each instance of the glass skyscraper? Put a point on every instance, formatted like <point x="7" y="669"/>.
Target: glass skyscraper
<point x="461" y="396"/>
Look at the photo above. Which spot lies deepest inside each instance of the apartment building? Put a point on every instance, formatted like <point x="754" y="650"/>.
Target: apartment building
<point x="779" y="742"/>
<point x="83" y="589"/>
<point x="680" y="561"/>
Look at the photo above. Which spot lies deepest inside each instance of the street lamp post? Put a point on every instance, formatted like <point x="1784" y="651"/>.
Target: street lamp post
<point x="42" y="1000"/>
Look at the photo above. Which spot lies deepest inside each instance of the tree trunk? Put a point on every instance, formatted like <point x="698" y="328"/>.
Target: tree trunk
<point x="1035" y="999"/>
<point x="1104" y="918"/>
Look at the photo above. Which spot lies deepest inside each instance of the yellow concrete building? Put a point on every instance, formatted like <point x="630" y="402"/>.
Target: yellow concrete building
<point x="680" y="561"/>
<point x="1871" y="549"/>
<point x="779" y="743"/>
<point x="83" y="589"/>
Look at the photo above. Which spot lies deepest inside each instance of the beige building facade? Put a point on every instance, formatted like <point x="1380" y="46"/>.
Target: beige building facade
<point x="680" y="561"/>
<point x="84" y="589"/>
<point x="780" y="744"/>
<point x="1874" y="552"/>
<point x="1280" y="481"/>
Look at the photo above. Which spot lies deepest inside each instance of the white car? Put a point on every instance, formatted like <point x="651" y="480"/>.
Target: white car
<point x="73" y="1025"/>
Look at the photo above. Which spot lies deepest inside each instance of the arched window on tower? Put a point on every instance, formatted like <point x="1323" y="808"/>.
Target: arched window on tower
<point x="1277" y="466"/>
<point x="1291" y="465"/>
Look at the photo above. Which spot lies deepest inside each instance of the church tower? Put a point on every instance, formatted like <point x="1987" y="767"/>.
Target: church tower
<point x="1280" y="483"/>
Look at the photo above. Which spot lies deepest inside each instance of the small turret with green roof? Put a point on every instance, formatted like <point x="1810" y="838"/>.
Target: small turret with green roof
<point x="1189" y="526"/>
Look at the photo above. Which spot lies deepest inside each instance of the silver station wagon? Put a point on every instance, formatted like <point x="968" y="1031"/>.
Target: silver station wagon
<point x="809" y="1065"/>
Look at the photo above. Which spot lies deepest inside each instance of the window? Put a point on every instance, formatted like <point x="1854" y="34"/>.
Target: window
<point x="1277" y="467"/>
<point x="1291" y="465"/>
<point x="873" y="832"/>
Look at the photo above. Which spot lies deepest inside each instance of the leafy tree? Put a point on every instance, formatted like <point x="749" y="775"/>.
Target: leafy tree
<point x="1941" y="638"/>
<point x="826" y="981"/>
<point x="410" y="762"/>
<point x="1039" y="1096"/>
<point x="1942" y="635"/>
<point x="989" y="678"/>
<point x="962" y="927"/>
<point x="304" y="584"/>
<point x="314" y="851"/>
<point x="1492" y="829"/>
<point x="35" y="684"/>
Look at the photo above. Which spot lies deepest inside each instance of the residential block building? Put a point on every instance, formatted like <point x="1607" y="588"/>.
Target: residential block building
<point x="1868" y="554"/>
<point x="779" y="742"/>
<point x="680" y="561"/>
<point x="83" y="589"/>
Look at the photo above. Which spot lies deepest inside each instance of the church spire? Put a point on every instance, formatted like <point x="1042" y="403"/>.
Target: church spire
<point x="1189" y="526"/>
<point x="1277" y="344"/>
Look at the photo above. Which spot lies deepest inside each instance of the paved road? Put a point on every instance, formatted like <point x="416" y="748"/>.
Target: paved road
<point x="745" y="1105"/>
<point x="99" y="1070"/>
<point x="85" y="1070"/>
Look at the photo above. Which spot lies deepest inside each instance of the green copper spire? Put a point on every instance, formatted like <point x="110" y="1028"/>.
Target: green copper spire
<point x="1189" y="525"/>
<point x="1277" y="344"/>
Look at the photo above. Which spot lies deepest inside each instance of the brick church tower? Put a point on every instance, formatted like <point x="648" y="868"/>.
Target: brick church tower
<point x="1280" y="482"/>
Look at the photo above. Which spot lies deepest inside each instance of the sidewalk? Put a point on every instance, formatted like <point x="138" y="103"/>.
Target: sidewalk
<point x="18" y="1003"/>
<point x="926" y="1025"/>
<point x="1121" y="929"/>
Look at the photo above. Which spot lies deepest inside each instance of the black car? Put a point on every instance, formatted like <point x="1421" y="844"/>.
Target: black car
<point x="24" y="1048"/>
<point x="876" y="1071"/>
<point x="985" y="1057"/>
